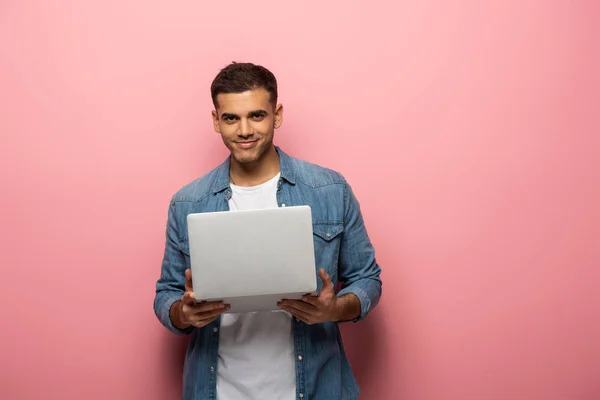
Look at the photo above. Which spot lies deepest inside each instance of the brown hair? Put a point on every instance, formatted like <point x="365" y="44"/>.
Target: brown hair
<point x="241" y="77"/>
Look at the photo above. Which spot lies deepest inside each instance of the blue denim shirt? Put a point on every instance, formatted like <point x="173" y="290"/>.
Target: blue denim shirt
<point x="342" y="248"/>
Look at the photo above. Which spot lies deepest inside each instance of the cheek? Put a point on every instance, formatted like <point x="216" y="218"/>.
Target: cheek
<point x="264" y="127"/>
<point x="227" y="130"/>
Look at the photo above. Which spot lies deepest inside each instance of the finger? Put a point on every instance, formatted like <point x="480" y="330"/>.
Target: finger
<point x="189" y="299"/>
<point x="203" y="323"/>
<point x="300" y="306"/>
<point x="208" y="306"/>
<point x="314" y="300"/>
<point x="188" y="280"/>
<point x="282" y="306"/>
<point x="301" y="315"/>
<point x="325" y="277"/>
<point x="209" y="315"/>
<point x="327" y="283"/>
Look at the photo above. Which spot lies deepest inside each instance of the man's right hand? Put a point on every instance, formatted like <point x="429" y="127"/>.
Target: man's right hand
<point x="186" y="312"/>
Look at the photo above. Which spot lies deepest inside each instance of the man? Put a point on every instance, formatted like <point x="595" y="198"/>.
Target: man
<point x="268" y="355"/>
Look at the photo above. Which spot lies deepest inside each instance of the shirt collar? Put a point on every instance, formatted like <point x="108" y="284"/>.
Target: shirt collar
<point x="221" y="180"/>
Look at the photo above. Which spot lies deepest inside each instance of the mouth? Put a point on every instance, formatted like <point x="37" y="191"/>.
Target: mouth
<point x="246" y="144"/>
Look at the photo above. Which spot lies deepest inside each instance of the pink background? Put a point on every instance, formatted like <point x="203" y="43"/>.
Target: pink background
<point x="469" y="130"/>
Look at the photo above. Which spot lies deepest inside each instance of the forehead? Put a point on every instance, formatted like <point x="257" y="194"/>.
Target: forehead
<point x="244" y="102"/>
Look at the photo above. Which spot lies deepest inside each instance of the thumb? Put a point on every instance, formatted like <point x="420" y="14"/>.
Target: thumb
<point x="327" y="284"/>
<point x="188" y="280"/>
<point x="189" y="299"/>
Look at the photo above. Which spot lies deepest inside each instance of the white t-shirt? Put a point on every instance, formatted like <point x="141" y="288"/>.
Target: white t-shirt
<point x="256" y="350"/>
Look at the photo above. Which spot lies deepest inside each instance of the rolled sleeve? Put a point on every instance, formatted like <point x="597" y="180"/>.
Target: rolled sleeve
<point x="171" y="284"/>
<point x="359" y="272"/>
<point x="163" y="312"/>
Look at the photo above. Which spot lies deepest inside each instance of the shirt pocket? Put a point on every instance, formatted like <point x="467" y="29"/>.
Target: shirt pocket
<point x="327" y="239"/>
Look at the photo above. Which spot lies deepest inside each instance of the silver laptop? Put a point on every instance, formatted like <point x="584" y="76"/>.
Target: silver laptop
<point x="254" y="258"/>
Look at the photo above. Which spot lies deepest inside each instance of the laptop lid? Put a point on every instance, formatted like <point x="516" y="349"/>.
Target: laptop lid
<point x="253" y="258"/>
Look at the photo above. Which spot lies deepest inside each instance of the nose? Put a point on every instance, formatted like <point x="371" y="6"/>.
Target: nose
<point x="245" y="128"/>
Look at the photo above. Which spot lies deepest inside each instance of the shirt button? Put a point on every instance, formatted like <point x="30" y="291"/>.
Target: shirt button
<point x="215" y="329"/>
<point x="300" y="358"/>
<point x="283" y="205"/>
<point x="328" y="234"/>
<point x="297" y="319"/>
<point x="212" y="369"/>
<point x="301" y="395"/>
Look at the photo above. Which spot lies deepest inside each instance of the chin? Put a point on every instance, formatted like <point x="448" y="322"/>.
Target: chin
<point x="245" y="158"/>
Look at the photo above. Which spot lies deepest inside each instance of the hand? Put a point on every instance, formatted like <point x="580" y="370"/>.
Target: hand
<point x="191" y="313"/>
<point x="316" y="309"/>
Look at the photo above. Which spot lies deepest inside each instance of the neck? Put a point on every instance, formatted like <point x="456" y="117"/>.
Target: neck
<point x="252" y="174"/>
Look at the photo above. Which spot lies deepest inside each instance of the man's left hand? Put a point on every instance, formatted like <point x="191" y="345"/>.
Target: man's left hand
<point x="316" y="309"/>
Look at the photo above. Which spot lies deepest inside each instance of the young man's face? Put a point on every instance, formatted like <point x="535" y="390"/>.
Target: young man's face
<point x="247" y="122"/>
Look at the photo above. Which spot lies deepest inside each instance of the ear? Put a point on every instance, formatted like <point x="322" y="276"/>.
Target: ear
<point x="278" y="116"/>
<point x="215" y="117"/>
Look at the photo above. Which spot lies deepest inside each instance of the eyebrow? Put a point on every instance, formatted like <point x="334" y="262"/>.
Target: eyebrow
<point x="258" y="112"/>
<point x="251" y="113"/>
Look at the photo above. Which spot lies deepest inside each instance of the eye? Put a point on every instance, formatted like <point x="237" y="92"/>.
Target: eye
<point x="258" y="116"/>
<point x="229" y="118"/>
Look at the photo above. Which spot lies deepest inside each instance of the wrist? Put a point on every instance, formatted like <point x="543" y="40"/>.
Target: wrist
<point x="347" y="308"/>
<point x="176" y="315"/>
<point x="338" y="312"/>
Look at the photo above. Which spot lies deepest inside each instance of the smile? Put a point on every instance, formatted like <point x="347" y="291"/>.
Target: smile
<point x="246" y="145"/>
